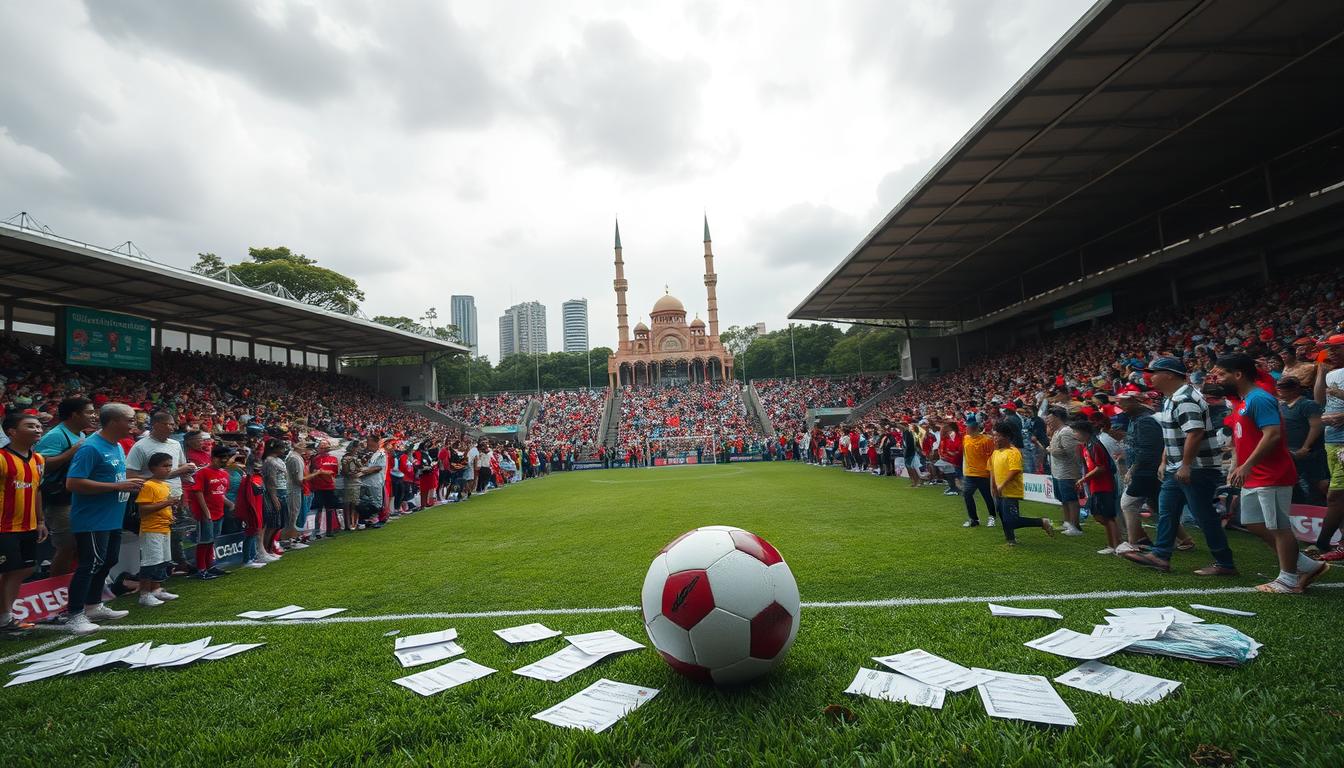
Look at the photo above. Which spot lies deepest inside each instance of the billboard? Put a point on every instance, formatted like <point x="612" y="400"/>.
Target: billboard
<point x="106" y="339"/>
<point x="1083" y="309"/>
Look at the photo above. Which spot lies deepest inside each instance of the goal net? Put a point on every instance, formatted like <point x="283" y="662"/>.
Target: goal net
<point x="679" y="451"/>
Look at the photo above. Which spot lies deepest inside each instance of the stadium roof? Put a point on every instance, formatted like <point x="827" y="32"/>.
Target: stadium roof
<point x="48" y="270"/>
<point x="1148" y="122"/>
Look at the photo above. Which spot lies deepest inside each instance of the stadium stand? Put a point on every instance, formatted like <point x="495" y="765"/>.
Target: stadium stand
<point x="786" y="401"/>
<point x="489" y="410"/>
<point x="682" y="410"/>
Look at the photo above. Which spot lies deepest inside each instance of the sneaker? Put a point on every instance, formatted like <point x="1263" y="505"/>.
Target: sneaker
<point x="1072" y="530"/>
<point x="149" y="601"/>
<point x="15" y="628"/>
<point x="204" y="576"/>
<point x="992" y="522"/>
<point x="305" y="540"/>
<point x="1333" y="556"/>
<point x="212" y="569"/>
<point x="255" y="564"/>
<point x="101" y="612"/>
<point x="1124" y="547"/>
<point x="970" y="524"/>
<point x="950" y="492"/>
<point x="81" y="625"/>
<point x="1106" y="551"/>
<point x="1215" y="570"/>
<point x="164" y="594"/>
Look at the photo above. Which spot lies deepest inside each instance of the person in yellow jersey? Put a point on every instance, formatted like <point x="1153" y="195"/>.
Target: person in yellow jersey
<point x="1005" y="475"/>
<point x="22" y="526"/>
<point x="976" y="448"/>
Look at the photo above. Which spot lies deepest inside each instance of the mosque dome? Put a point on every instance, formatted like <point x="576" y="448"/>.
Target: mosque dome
<point x="669" y="303"/>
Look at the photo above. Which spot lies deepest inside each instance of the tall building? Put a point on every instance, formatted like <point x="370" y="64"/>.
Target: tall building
<point x="574" y="319"/>
<point x="760" y="329"/>
<point x="464" y="317"/>
<point x="522" y="330"/>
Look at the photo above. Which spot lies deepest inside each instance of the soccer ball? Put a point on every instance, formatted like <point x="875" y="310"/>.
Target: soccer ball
<point x="720" y="605"/>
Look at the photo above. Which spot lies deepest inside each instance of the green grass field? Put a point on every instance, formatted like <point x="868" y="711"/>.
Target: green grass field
<point x="322" y="694"/>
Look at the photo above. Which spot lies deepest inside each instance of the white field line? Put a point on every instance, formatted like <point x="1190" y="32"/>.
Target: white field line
<point x="35" y="650"/>
<point x="893" y="602"/>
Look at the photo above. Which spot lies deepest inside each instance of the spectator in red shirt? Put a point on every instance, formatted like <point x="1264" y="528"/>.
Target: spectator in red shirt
<point x="1098" y="481"/>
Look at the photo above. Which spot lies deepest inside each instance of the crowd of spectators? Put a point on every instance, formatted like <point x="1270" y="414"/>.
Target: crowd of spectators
<point x="569" y="419"/>
<point x="496" y="410"/>
<point x="679" y="410"/>
<point x="786" y="401"/>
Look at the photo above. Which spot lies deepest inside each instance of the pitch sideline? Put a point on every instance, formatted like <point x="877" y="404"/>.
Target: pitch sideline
<point x="894" y="602"/>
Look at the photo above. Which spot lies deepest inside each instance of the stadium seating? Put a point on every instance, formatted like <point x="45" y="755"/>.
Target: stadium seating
<point x="786" y="401"/>
<point x="569" y="417"/>
<point x="495" y="410"/>
<point x="687" y="409"/>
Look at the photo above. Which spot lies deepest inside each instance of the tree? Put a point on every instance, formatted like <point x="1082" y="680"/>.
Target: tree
<point x="208" y="264"/>
<point x="737" y="340"/>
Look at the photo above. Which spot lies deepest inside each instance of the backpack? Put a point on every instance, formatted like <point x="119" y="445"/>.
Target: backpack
<point x="53" y="482"/>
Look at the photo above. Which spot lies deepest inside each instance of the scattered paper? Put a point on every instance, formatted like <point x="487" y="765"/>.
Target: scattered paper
<point x="218" y="653"/>
<point x="164" y="654"/>
<point x="63" y="653"/>
<point x="1025" y="613"/>
<point x="197" y="655"/>
<point x="1023" y="697"/>
<point x="321" y="613"/>
<point x="44" y="671"/>
<point x="604" y="642"/>
<point x="597" y="707"/>
<point x="392" y="633"/>
<point x="106" y="658"/>
<point x="1120" y="684"/>
<point x="560" y="664"/>
<point x="1178" y="616"/>
<point x="29" y="669"/>
<point x="1076" y="645"/>
<point x="527" y="633"/>
<point x="440" y="679"/>
<point x="931" y="670"/>
<point x="1216" y="609"/>
<point x="425" y="638"/>
<point x="424" y="654"/>
<point x="270" y="614"/>
<point x="1211" y="643"/>
<point x="890" y="686"/>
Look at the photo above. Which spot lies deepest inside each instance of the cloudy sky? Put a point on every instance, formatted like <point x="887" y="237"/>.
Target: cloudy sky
<point x="430" y="148"/>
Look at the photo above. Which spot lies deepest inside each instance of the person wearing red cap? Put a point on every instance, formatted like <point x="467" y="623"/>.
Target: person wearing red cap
<point x="1264" y="470"/>
<point x="1329" y="393"/>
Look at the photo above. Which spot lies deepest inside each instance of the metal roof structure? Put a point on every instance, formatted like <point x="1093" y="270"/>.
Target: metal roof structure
<point x="1149" y="123"/>
<point x="42" y="269"/>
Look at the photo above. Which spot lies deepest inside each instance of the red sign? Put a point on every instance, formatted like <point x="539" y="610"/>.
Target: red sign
<point x="1307" y="521"/>
<point x="39" y="599"/>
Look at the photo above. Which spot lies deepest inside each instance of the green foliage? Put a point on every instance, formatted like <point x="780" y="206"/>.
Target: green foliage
<point x="297" y="273"/>
<point x="518" y="373"/>
<point x="208" y="264"/>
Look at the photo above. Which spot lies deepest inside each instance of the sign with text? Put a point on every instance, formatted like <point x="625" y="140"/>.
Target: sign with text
<point x="1307" y="520"/>
<point x="42" y="598"/>
<point x="1082" y="310"/>
<point x="106" y="339"/>
<point x="1039" y="488"/>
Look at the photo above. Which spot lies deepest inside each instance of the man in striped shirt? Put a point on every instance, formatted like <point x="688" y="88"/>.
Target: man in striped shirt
<point x="21" y="523"/>
<point x="1192" y="472"/>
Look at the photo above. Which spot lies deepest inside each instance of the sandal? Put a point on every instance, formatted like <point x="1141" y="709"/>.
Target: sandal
<point x="1277" y="587"/>
<point x="1305" y="580"/>
<point x="14" y="627"/>
<point x="1216" y="570"/>
<point x="1186" y="545"/>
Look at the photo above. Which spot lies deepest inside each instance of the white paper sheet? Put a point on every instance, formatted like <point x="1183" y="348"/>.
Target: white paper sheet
<point x="270" y="614"/>
<point x="425" y="654"/>
<point x="320" y="613"/>
<point x="392" y="633"/>
<point x="1023" y="697"/>
<point x="197" y="655"/>
<point x="63" y="653"/>
<point x="597" y="707"/>
<point x="31" y="668"/>
<point x="527" y="633"/>
<point x="604" y="642"/>
<point x="1023" y="613"/>
<point x="1076" y="645"/>
<point x="1137" y="627"/>
<point x="931" y="670"/>
<point x="1178" y="616"/>
<point x="440" y="679"/>
<point x="106" y="658"/>
<point x="1216" y="609"/>
<point x="560" y="664"/>
<point x="425" y="638"/>
<point x="45" y="670"/>
<point x="1126" y="686"/>
<point x="891" y="686"/>
<point x="162" y="654"/>
<point x="218" y="653"/>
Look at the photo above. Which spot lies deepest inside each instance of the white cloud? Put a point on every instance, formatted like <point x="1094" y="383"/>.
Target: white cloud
<point x="484" y="149"/>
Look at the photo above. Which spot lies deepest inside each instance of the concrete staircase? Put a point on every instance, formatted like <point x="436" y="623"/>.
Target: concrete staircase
<point x="875" y="399"/>
<point x="752" y="399"/>
<point x="443" y="418"/>
<point x="608" y="431"/>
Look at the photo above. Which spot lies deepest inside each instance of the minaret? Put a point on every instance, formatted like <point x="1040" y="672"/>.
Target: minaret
<point x="622" y="322"/>
<point x="711" y="280"/>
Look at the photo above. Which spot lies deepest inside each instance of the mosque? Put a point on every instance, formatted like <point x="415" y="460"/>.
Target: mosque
<point x="671" y="351"/>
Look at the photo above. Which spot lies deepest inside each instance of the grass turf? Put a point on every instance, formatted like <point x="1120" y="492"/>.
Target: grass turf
<point x="322" y="695"/>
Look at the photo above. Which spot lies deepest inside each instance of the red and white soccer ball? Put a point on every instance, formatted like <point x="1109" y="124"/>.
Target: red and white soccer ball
<point x="720" y="605"/>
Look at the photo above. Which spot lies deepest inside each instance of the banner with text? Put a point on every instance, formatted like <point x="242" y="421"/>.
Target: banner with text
<point x="106" y="339"/>
<point x="1307" y="520"/>
<point x="1082" y="310"/>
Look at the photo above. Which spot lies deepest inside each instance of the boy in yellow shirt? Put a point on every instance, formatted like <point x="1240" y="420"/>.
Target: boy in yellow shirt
<point x="976" y="448"/>
<point x="1005" y="475"/>
<point x="156" y="501"/>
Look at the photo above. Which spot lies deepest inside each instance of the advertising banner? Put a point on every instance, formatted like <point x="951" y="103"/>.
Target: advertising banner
<point x="588" y="465"/>
<point x="673" y="461"/>
<point x="1082" y="310"/>
<point x="106" y="339"/>
<point x="42" y="598"/>
<point x="229" y="550"/>
<point x="737" y="457"/>
<point x="1307" y="520"/>
<point x="1039" y="488"/>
